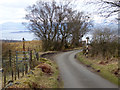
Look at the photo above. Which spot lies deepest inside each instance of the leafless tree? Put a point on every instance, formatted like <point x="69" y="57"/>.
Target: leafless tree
<point x="54" y="23"/>
<point x="105" y="43"/>
<point x="107" y="7"/>
<point x="42" y="18"/>
<point x="80" y="28"/>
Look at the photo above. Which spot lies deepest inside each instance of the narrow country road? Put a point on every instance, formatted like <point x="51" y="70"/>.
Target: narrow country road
<point x="75" y="75"/>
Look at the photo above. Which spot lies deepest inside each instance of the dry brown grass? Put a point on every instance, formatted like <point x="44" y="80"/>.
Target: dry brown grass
<point x="35" y="44"/>
<point x="18" y="46"/>
<point x="39" y="78"/>
<point x="107" y="68"/>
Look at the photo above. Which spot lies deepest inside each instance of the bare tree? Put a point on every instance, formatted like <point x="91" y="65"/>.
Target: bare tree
<point x="79" y="25"/>
<point x="54" y="23"/>
<point x="42" y="18"/>
<point x="107" y="7"/>
<point x="104" y="43"/>
<point x="113" y="7"/>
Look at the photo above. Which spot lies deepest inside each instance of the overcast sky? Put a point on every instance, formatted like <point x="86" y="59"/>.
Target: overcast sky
<point x="14" y="10"/>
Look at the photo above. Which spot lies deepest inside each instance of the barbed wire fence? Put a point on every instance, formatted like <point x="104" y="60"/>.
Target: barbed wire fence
<point x="17" y="64"/>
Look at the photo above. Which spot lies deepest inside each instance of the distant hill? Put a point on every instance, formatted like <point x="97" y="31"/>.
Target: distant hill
<point x="10" y="40"/>
<point x="104" y="24"/>
<point x="22" y="29"/>
<point x="21" y="32"/>
<point x="12" y="26"/>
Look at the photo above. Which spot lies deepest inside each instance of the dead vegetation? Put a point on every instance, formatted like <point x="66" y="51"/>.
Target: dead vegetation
<point x="108" y="68"/>
<point x="45" y="68"/>
<point x="18" y="46"/>
<point x="44" y="75"/>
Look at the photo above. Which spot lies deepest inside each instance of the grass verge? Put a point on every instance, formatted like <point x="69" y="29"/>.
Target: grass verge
<point x="105" y="70"/>
<point x="44" y="75"/>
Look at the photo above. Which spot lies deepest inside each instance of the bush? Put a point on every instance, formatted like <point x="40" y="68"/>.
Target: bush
<point x="104" y="43"/>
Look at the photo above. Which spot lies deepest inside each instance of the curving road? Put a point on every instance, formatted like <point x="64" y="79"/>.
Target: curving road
<point x="75" y="75"/>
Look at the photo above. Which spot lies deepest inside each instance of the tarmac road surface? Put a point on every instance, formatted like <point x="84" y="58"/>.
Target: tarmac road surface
<point x="75" y="75"/>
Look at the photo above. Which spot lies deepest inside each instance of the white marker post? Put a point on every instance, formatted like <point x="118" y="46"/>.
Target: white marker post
<point x="87" y="47"/>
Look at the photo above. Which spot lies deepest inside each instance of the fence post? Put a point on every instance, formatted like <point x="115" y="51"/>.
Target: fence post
<point x="10" y="63"/>
<point x="4" y="77"/>
<point x="26" y="68"/>
<point x="30" y="61"/>
<point x="23" y="67"/>
<point x="15" y="68"/>
<point x="24" y="56"/>
<point x="4" y="72"/>
<point x="37" y="56"/>
<point x="34" y="58"/>
<point x="23" y="44"/>
<point x="12" y="74"/>
<point x="17" y="63"/>
<point x="10" y="57"/>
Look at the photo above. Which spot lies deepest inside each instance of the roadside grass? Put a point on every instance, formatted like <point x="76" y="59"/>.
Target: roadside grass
<point x="106" y="71"/>
<point x="36" y="78"/>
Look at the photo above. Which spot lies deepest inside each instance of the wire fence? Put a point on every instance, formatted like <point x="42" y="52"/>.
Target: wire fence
<point x="17" y="65"/>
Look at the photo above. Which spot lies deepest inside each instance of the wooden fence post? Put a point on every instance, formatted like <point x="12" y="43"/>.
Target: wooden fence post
<point x="26" y="68"/>
<point x="30" y="61"/>
<point x="10" y="63"/>
<point x="4" y="72"/>
<point x="17" y="68"/>
<point x="10" y="58"/>
<point x="12" y="74"/>
<point x="23" y="57"/>
<point x="23" y="44"/>
<point x="37" y="56"/>
<point x="23" y="67"/>
<point x="34" y="58"/>
<point x="4" y="77"/>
